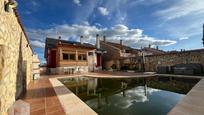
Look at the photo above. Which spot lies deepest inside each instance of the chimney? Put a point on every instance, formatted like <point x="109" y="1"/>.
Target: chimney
<point x="121" y="42"/>
<point x="149" y="46"/>
<point x="97" y="41"/>
<point x="157" y="47"/>
<point x="81" y="37"/>
<point x="104" y="38"/>
<point x="59" y="40"/>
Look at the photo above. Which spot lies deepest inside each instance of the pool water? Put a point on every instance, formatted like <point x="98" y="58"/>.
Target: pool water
<point x="129" y="96"/>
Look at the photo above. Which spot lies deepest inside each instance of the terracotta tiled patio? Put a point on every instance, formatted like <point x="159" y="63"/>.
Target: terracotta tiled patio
<point x="42" y="98"/>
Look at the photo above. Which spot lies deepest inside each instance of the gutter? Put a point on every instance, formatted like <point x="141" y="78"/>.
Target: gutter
<point x="19" y="21"/>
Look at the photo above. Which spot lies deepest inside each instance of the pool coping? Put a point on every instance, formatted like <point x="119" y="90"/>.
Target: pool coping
<point x="72" y="104"/>
<point x="183" y="107"/>
<point x="192" y="103"/>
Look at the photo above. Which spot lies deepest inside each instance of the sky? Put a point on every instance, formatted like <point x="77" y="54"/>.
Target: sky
<point x="169" y="24"/>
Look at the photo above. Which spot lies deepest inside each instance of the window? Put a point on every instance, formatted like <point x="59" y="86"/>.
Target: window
<point x="72" y="56"/>
<point x="68" y="56"/>
<point x="65" y="56"/>
<point x="90" y="53"/>
<point x="82" y="57"/>
<point x="127" y="51"/>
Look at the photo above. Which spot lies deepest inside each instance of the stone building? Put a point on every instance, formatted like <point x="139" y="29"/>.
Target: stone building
<point x="120" y="56"/>
<point x="15" y="58"/>
<point x="68" y="57"/>
<point x="170" y="59"/>
<point x="152" y="51"/>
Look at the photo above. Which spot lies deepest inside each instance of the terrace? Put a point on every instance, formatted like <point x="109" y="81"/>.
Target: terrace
<point x="174" y="90"/>
<point x="49" y="96"/>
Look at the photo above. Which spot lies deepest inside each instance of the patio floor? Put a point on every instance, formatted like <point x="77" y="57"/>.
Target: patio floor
<point x="42" y="98"/>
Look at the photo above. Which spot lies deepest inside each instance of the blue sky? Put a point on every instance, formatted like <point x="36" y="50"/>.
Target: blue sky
<point x="170" y="24"/>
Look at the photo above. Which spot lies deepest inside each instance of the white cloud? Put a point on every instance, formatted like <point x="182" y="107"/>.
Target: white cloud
<point x="85" y="12"/>
<point x="98" y="24"/>
<point x="131" y="37"/>
<point x="37" y="44"/>
<point x="181" y="8"/>
<point x="34" y="3"/>
<point x="103" y="11"/>
<point x="135" y="95"/>
<point x="77" y="2"/>
<point x="145" y="2"/>
<point x="85" y="22"/>
<point x="183" y="38"/>
<point x="182" y="19"/>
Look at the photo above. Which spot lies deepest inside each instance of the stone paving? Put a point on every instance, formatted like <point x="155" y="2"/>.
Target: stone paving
<point x="192" y="103"/>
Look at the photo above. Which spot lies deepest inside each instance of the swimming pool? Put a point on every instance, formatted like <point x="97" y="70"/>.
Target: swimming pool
<point x="138" y="96"/>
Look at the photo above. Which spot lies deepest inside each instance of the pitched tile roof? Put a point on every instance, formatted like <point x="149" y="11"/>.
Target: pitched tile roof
<point x="122" y="47"/>
<point x="153" y="51"/>
<point x="51" y="43"/>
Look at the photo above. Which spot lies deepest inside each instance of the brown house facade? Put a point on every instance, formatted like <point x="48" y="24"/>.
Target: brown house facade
<point x="68" y="57"/>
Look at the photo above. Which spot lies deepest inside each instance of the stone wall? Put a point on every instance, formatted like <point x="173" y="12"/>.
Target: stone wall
<point x="111" y="57"/>
<point x="170" y="59"/>
<point x="15" y="59"/>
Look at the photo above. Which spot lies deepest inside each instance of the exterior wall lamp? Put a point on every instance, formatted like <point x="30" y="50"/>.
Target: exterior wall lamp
<point x="27" y="45"/>
<point x="10" y="5"/>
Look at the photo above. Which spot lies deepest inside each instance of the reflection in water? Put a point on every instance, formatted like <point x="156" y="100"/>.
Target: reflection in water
<point x="135" y="102"/>
<point x="126" y="96"/>
<point x="92" y="85"/>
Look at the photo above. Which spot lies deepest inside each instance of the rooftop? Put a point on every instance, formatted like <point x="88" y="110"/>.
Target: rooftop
<point x="122" y="47"/>
<point x="52" y="43"/>
<point x="178" y="52"/>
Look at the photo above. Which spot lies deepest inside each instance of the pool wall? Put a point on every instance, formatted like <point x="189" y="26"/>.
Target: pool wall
<point x="70" y="102"/>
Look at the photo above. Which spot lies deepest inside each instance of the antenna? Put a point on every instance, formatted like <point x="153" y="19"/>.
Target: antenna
<point x="57" y="33"/>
